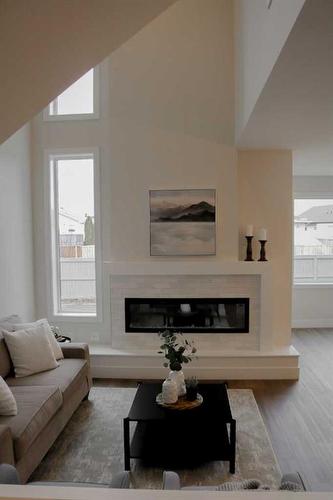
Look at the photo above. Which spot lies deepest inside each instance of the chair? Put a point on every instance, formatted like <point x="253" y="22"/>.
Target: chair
<point x="293" y="482"/>
<point x="9" y="475"/>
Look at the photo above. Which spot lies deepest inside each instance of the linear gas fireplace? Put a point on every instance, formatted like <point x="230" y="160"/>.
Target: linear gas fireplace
<point x="203" y="315"/>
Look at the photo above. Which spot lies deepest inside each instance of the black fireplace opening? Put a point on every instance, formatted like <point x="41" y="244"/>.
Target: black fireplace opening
<point x="230" y="315"/>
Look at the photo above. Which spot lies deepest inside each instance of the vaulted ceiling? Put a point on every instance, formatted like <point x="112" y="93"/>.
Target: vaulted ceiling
<point x="46" y="45"/>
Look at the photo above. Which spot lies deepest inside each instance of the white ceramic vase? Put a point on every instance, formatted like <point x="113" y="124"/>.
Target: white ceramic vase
<point x="178" y="377"/>
<point x="169" y="391"/>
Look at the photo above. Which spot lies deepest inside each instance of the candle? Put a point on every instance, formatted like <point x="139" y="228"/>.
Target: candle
<point x="262" y="234"/>
<point x="249" y="230"/>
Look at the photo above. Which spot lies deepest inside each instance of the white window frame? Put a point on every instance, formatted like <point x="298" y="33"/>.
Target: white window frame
<point x="307" y="195"/>
<point x="51" y="234"/>
<point x="78" y="116"/>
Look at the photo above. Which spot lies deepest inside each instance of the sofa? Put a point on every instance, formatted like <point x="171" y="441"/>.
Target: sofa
<point x="45" y="402"/>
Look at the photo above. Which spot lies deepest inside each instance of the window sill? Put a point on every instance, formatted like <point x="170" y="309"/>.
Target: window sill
<point x="312" y="285"/>
<point x="77" y="318"/>
<point x="65" y="118"/>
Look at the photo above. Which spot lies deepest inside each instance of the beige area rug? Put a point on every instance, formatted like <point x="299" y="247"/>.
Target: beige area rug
<point x="91" y="446"/>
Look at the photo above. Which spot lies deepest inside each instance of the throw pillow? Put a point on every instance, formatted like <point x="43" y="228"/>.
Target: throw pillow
<point x="8" y="404"/>
<point x="54" y="344"/>
<point x="30" y="350"/>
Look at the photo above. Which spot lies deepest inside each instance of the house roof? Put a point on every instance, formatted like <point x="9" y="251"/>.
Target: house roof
<point x="322" y="214"/>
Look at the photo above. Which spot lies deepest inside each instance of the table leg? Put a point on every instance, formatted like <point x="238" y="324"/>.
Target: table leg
<point x="127" y="458"/>
<point x="233" y="446"/>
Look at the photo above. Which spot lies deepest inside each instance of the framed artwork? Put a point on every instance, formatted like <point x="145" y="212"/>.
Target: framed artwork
<point x="182" y="222"/>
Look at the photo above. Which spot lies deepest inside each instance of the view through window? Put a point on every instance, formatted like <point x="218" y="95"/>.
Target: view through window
<point x="78" y="99"/>
<point x="313" y="240"/>
<point x="74" y="227"/>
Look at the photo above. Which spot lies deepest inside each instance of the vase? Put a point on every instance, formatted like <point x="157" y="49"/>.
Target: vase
<point x="178" y="377"/>
<point x="169" y="391"/>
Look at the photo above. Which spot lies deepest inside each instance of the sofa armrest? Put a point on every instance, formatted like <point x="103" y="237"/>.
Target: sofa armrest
<point x="75" y="350"/>
<point x="171" y="480"/>
<point x="79" y="351"/>
<point x="6" y="446"/>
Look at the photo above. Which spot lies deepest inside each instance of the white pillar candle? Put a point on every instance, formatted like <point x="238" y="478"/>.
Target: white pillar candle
<point x="262" y="234"/>
<point x="249" y="230"/>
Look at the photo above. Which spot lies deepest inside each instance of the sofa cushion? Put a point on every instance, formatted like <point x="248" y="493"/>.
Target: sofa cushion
<point x="36" y="406"/>
<point x="65" y="376"/>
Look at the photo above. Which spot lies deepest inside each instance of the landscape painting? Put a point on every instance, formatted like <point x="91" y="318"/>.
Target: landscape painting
<point x="182" y="222"/>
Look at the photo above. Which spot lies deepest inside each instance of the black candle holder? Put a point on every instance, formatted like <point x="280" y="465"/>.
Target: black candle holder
<point x="249" y="249"/>
<point x="262" y="257"/>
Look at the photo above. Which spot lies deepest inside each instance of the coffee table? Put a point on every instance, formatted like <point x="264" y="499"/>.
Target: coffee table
<point x="180" y="438"/>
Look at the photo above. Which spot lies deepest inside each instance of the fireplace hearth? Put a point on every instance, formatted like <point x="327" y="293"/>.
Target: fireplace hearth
<point x="194" y="315"/>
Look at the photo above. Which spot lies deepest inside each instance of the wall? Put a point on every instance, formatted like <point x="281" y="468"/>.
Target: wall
<point x="16" y="253"/>
<point x="166" y="121"/>
<point x="265" y="200"/>
<point x="312" y="304"/>
<point x="260" y="34"/>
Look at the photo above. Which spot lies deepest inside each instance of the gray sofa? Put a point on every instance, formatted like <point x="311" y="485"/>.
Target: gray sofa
<point x="45" y="401"/>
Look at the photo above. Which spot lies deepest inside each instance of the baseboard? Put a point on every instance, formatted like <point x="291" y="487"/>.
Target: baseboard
<point x="313" y="323"/>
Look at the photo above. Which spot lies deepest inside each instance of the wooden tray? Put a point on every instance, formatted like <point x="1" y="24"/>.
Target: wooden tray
<point x="182" y="403"/>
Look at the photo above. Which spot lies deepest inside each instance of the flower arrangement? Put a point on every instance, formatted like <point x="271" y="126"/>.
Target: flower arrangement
<point x="176" y="349"/>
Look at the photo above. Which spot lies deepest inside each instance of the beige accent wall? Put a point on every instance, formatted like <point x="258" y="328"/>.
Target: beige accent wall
<point x="266" y="200"/>
<point x="45" y="45"/>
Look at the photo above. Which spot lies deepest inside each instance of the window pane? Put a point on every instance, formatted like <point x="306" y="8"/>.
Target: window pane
<point x="76" y="235"/>
<point x="77" y="99"/>
<point x="313" y="240"/>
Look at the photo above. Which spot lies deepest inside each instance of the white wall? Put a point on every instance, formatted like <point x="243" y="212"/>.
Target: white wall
<point x="265" y="200"/>
<point x="166" y="121"/>
<point x="16" y="252"/>
<point x="260" y="34"/>
<point x="312" y="304"/>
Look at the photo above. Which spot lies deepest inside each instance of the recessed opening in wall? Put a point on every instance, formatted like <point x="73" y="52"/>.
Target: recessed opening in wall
<point x="197" y="315"/>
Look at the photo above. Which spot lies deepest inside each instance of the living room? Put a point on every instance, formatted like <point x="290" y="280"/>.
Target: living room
<point x="178" y="106"/>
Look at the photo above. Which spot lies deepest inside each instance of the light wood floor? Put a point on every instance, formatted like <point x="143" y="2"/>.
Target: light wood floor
<point x="298" y="415"/>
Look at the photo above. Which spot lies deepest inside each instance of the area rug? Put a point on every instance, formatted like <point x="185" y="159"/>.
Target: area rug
<point x="91" y="446"/>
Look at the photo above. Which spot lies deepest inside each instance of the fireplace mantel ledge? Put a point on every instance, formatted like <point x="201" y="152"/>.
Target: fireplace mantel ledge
<point x="217" y="267"/>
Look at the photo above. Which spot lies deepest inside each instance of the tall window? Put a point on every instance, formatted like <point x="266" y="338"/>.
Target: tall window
<point x="79" y="100"/>
<point x="73" y="234"/>
<point x="313" y="240"/>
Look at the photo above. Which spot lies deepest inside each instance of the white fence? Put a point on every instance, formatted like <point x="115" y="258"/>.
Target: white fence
<point x="310" y="268"/>
<point x="78" y="279"/>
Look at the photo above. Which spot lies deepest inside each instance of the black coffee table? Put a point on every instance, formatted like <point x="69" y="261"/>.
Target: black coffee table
<point x="180" y="438"/>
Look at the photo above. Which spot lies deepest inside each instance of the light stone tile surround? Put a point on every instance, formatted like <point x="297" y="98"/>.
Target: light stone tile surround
<point x="191" y="286"/>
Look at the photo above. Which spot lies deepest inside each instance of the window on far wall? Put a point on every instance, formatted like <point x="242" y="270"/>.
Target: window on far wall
<point x="313" y="240"/>
<point x="78" y="100"/>
<point x="73" y="234"/>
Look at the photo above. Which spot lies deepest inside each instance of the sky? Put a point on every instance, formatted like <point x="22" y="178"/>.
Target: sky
<point x="75" y="190"/>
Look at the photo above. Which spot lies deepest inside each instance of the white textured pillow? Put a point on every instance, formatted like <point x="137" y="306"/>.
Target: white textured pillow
<point x="30" y="350"/>
<point x="8" y="404"/>
<point x="54" y="344"/>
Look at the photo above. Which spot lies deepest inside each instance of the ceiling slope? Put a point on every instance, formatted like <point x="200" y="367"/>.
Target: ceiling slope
<point x="295" y="108"/>
<point x="46" y="45"/>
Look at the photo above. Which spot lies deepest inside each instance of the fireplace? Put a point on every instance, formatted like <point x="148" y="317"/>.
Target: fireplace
<point x="195" y="315"/>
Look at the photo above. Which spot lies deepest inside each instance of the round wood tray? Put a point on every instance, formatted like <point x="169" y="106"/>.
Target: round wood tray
<point x="182" y="403"/>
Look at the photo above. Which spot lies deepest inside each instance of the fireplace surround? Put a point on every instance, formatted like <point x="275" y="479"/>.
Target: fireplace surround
<point x="194" y="315"/>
